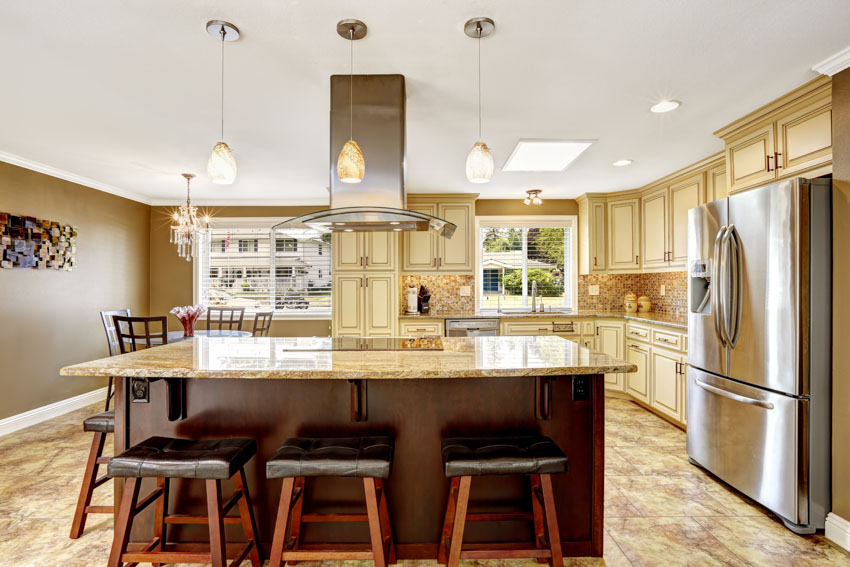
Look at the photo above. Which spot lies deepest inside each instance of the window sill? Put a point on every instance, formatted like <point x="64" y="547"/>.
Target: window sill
<point x="294" y="316"/>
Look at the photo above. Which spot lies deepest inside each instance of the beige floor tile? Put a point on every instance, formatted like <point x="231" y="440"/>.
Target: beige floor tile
<point x="616" y="503"/>
<point x="737" y="503"/>
<point x="617" y="465"/>
<point x="652" y="460"/>
<point x="663" y="496"/>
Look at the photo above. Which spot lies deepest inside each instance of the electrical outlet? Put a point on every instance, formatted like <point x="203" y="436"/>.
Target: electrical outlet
<point x="663" y="290"/>
<point x="593" y="290"/>
<point x="581" y="388"/>
<point x="465" y="290"/>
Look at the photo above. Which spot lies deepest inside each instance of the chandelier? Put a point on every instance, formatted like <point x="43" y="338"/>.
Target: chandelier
<point x="532" y="197"/>
<point x="188" y="229"/>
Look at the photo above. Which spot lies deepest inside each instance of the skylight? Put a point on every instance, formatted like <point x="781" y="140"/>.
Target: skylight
<point x="545" y="155"/>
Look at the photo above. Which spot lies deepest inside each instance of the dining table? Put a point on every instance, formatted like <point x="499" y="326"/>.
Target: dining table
<point x="177" y="336"/>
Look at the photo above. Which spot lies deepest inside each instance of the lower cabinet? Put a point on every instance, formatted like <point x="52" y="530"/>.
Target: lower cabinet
<point x="610" y="339"/>
<point x="365" y="305"/>
<point x="637" y="383"/>
<point x="421" y="328"/>
<point x="667" y="382"/>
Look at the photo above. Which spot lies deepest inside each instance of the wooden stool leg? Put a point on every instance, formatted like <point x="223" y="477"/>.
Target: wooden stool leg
<point x="386" y="527"/>
<point x="295" y="522"/>
<point x="460" y="521"/>
<point x="448" y="522"/>
<point x="124" y="520"/>
<point x="249" y="524"/>
<point x="160" y="529"/>
<point x="537" y="508"/>
<point x="279" y="537"/>
<point x="87" y="488"/>
<point x="374" y="522"/>
<point x="552" y="521"/>
<point x="216" y="524"/>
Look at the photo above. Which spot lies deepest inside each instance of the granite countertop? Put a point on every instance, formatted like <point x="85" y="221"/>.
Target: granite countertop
<point x="308" y="358"/>
<point x="679" y="321"/>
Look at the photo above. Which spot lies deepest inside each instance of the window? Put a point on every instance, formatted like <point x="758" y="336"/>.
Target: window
<point x="258" y="278"/>
<point x="320" y="249"/>
<point x="517" y="255"/>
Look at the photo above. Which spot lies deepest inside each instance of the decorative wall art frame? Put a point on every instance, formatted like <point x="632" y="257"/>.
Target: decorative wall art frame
<point x="27" y="242"/>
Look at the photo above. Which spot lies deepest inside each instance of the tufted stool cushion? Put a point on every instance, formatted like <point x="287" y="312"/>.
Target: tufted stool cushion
<point x="478" y="456"/>
<point x="365" y="457"/>
<point x="102" y="422"/>
<point x="183" y="458"/>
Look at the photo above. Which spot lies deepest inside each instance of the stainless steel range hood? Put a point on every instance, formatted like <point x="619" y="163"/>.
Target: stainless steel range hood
<point x="376" y="203"/>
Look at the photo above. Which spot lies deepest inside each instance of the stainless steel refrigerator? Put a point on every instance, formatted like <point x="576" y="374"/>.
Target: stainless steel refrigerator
<point x="759" y="356"/>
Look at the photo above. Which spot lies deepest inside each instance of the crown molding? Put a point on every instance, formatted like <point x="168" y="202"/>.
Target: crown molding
<point x="73" y="178"/>
<point x="241" y="202"/>
<point x="835" y="63"/>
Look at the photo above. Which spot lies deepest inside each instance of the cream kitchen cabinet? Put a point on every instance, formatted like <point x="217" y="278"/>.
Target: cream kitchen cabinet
<point x="716" y="187"/>
<point x="428" y="252"/>
<point x="610" y="340"/>
<point x="684" y="196"/>
<point x="593" y="253"/>
<point x="749" y="158"/>
<point x="624" y="235"/>
<point x="664" y="221"/>
<point x="421" y="328"/>
<point x="637" y="383"/>
<point x="666" y="382"/>
<point x="365" y="304"/>
<point x="655" y="210"/>
<point x="364" y="251"/>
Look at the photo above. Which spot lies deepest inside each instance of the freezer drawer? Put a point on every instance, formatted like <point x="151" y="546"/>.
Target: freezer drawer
<point x="753" y="439"/>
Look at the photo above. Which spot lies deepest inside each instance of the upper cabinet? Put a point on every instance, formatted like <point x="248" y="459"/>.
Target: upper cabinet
<point x="592" y="252"/>
<point x="664" y="220"/>
<point x="624" y="235"/>
<point x="785" y="138"/>
<point x="427" y="252"/>
<point x="684" y="196"/>
<point x="655" y="210"/>
<point x="364" y="251"/>
<point x="716" y="187"/>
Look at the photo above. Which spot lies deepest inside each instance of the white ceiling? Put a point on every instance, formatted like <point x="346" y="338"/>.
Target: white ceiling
<point x="124" y="94"/>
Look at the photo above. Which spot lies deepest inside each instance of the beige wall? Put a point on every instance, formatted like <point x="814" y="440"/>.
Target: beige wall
<point x="171" y="276"/>
<point x="493" y="207"/>
<point x="840" y="297"/>
<point x="49" y="319"/>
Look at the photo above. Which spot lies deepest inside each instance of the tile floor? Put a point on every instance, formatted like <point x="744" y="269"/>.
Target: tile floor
<point x="659" y="509"/>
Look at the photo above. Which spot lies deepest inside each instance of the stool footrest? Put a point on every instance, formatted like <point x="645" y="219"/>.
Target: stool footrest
<point x="100" y="509"/>
<point x="330" y="552"/>
<point x="198" y="519"/>
<point x="166" y="557"/>
<point x="500" y="517"/>
<point x="503" y="551"/>
<point x="323" y="518"/>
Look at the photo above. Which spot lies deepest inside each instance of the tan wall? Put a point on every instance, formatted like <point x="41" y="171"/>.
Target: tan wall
<point x="494" y="207"/>
<point x="171" y="276"/>
<point x="840" y="297"/>
<point x="50" y="319"/>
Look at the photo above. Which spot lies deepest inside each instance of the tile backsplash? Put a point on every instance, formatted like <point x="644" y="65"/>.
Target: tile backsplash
<point x="614" y="287"/>
<point x="445" y="291"/>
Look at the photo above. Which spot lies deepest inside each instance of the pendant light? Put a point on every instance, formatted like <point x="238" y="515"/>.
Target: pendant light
<point x="479" y="162"/>
<point x="188" y="228"/>
<point x="350" y="166"/>
<point x="222" y="165"/>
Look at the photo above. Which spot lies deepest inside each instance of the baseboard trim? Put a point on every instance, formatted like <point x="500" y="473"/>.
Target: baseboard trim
<point x="837" y="530"/>
<point x="38" y="415"/>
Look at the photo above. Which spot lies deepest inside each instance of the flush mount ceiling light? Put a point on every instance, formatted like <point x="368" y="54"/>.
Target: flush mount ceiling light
<point x="350" y="166"/>
<point x="622" y="162"/>
<point x="545" y="155"/>
<point x="532" y="197"/>
<point x="665" y="106"/>
<point x="188" y="229"/>
<point x="479" y="161"/>
<point x="222" y="165"/>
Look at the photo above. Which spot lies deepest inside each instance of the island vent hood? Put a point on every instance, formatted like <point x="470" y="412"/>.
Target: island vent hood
<point x="377" y="203"/>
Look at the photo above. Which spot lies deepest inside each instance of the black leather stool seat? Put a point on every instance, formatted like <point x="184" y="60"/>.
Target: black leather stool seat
<point x="478" y="456"/>
<point x="365" y="457"/>
<point x="102" y="422"/>
<point x="183" y="458"/>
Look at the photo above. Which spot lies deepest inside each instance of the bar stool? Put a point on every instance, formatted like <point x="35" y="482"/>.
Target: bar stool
<point x="165" y="458"/>
<point x="536" y="456"/>
<point x="369" y="458"/>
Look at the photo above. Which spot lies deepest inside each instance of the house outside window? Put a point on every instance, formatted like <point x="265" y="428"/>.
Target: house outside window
<point x="248" y="245"/>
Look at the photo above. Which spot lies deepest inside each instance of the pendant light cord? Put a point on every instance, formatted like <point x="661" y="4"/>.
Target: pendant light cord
<point x="478" y="29"/>
<point x="351" y="83"/>
<point x="223" y="33"/>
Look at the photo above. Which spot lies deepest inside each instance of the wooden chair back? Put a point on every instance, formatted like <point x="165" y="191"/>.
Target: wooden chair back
<point x="109" y="327"/>
<point x="229" y="318"/>
<point x="135" y="331"/>
<point x="262" y="323"/>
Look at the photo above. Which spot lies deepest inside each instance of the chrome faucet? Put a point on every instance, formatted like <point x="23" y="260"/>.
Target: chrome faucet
<point x="534" y="296"/>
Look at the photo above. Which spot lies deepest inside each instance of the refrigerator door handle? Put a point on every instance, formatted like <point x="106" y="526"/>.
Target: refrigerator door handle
<point x="731" y="396"/>
<point x="715" y="290"/>
<point x="734" y="327"/>
<point x="724" y="290"/>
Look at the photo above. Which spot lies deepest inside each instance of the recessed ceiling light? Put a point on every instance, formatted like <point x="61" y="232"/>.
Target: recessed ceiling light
<point x="622" y="162"/>
<point x="665" y="106"/>
<point x="545" y="155"/>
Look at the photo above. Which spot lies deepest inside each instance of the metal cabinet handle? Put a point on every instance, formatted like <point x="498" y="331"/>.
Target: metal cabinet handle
<point x="361" y="261"/>
<point x="367" y="282"/>
<point x="594" y="261"/>
<point x="366" y="263"/>
<point x="767" y="163"/>
<point x="435" y="262"/>
<point x="780" y="164"/>
<point x="636" y="259"/>
<point x="731" y="396"/>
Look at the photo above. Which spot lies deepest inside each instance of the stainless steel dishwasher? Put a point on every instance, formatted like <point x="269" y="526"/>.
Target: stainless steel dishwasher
<point x="472" y="327"/>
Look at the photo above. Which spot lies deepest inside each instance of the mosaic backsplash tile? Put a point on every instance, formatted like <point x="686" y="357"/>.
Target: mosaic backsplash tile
<point x="445" y="291"/>
<point x="614" y="287"/>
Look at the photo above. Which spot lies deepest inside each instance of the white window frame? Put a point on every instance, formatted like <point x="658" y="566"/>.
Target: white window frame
<point x="251" y="222"/>
<point x="527" y="221"/>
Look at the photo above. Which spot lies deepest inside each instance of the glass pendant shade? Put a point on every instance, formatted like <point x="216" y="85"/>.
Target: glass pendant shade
<point x="479" y="163"/>
<point x="222" y="165"/>
<point x="351" y="167"/>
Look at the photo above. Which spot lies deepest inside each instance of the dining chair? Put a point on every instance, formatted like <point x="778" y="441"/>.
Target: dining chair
<point x="112" y="343"/>
<point x="262" y="323"/>
<point x="229" y="318"/>
<point x="133" y="332"/>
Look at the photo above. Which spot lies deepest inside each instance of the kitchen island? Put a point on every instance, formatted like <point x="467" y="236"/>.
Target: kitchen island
<point x="416" y="389"/>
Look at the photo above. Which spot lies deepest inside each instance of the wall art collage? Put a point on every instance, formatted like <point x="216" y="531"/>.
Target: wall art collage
<point x="27" y="242"/>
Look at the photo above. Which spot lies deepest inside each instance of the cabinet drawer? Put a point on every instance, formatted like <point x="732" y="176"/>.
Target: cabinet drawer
<point x="667" y="340"/>
<point x="566" y="328"/>
<point x="421" y="328"/>
<point x="588" y="328"/>
<point x="637" y="332"/>
<point x="528" y="328"/>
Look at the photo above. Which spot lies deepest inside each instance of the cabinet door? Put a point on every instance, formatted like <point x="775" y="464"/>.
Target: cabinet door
<point x="598" y="252"/>
<point x="637" y="383"/>
<point x="666" y="383"/>
<point x="804" y="138"/>
<point x="610" y="341"/>
<point x="420" y="248"/>
<point x="717" y="188"/>
<point x="379" y="250"/>
<point x="749" y="159"/>
<point x="588" y="342"/>
<point x="348" y="305"/>
<point x="527" y="328"/>
<point x="683" y="197"/>
<point x="624" y="235"/>
<point x="347" y="251"/>
<point x="456" y="252"/>
<point x="381" y="305"/>
<point x="655" y="228"/>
